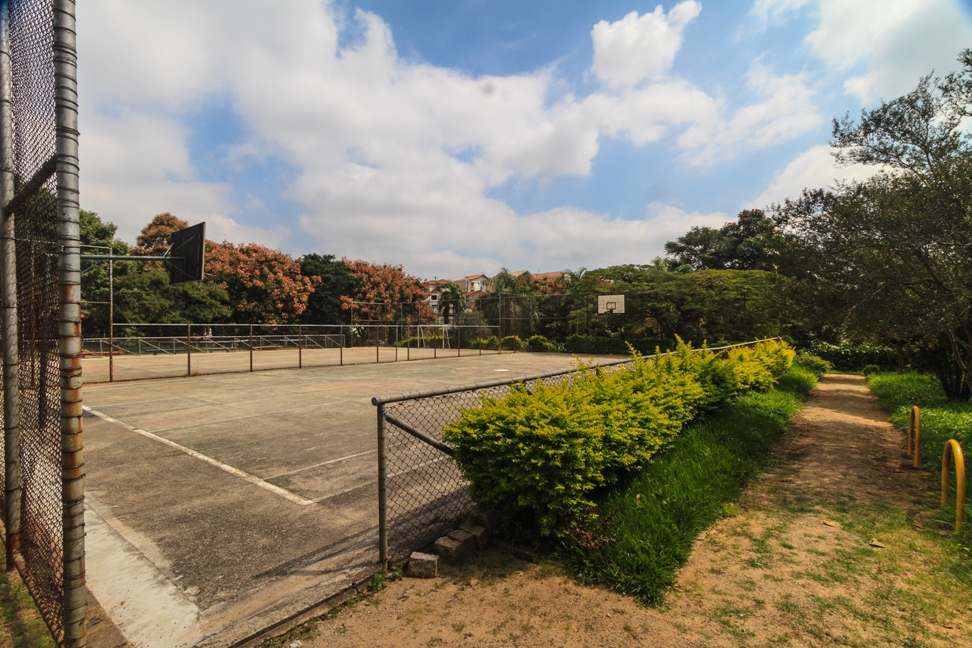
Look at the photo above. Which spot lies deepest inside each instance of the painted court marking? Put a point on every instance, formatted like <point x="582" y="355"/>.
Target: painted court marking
<point x="256" y="481"/>
<point x="324" y="463"/>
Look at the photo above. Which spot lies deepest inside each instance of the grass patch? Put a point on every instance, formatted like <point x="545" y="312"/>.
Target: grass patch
<point x="648" y="527"/>
<point x="941" y="420"/>
<point x="21" y="625"/>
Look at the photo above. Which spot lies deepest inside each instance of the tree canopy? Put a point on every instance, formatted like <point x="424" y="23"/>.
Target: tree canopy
<point x="892" y="254"/>
<point x="750" y="243"/>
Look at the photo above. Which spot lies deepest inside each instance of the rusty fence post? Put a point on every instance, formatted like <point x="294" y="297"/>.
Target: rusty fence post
<point x="382" y="490"/>
<point x="8" y="304"/>
<point x="953" y="448"/>
<point x="69" y="333"/>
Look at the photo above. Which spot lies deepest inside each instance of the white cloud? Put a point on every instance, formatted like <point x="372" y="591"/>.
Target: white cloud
<point x="394" y="158"/>
<point x="786" y="110"/>
<point x="775" y="12"/>
<point x="895" y="41"/>
<point x="812" y="169"/>
<point x="636" y="48"/>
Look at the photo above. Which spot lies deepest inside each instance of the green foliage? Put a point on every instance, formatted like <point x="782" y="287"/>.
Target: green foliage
<point x="539" y="343"/>
<point x="799" y="380"/>
<point x="871" y="369"/>
<point x="595" y="344"/>
<point x="648" y="528"/>
<point x="542" y="456"/>
<point x="324" y="304"/>
<point x="147" y="296"/>
<point x="941" y="419"/>
<point x="511" y="343"/>
<point x="848" y="356"/>
<point x="751" y="243"/>
<point x="813" y="362"/>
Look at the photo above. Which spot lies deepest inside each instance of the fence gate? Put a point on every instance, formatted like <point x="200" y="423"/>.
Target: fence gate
<point x="40" y="330"/>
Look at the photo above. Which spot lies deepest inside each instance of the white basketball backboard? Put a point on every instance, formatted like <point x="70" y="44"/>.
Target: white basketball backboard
<point x="610" y="303"/>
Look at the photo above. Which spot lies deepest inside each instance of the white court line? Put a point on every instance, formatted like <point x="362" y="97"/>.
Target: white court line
<point x="256" y="481"/>
<point x="323" y="463"/>
<point x="240" y="418"/>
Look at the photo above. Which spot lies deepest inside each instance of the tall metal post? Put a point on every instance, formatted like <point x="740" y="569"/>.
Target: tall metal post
<point x="188" y="349"/>
<point x="111" y="320"/>
<point x="8" y="303"/>
<point x="300" y="347"/>
<point x="69" y="282"/>
<point x="382" y="492"/>
<point x="251" y="347"/>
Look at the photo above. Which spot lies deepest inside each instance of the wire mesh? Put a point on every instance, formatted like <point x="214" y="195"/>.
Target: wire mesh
<point x="426" y="494"/>
<point x="32" y="63"/>
<point x="145" y="351"/>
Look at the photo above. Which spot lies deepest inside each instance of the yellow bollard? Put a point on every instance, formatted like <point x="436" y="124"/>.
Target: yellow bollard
<point x="914" y="436"/>
<point x="956" y="451"/>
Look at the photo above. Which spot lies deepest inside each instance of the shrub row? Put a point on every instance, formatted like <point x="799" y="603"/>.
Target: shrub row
<point x="854" y="357"/>
<point x="611" y="346"/>
<point x="541" y="456"/>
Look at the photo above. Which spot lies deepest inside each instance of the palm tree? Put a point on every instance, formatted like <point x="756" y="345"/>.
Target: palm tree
<point x="452" y="301"/>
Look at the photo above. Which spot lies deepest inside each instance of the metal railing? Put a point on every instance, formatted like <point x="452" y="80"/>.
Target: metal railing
<point x="954" y="450"/>
<point x="421" y="493"/>
<point x="142" y="351"/>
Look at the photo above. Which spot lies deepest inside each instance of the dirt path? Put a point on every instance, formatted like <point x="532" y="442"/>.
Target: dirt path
<point x="836" y="545"/>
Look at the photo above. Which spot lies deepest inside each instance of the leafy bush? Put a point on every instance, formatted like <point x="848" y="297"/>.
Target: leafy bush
<point x="511" y="343"/>
<point x="871" y="369"/>
<point x="611" y="346"/>
<point x="853" y="357"/>
<point x="542" y="455"/>
<point x="814" y="363"/>
<point x="492" y="342"/>
<point x="539" y="343"/>
<point x="656" y="517"/>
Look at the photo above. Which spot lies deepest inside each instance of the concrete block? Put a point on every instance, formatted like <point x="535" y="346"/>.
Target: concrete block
<point x="422" y="565"/>
<point x="479" y="517"/>
<point x="455" y="545"/>
<point x="478" y="532"/>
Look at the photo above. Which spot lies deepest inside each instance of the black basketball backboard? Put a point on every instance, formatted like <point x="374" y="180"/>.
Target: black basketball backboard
<point x="187" y="254"/>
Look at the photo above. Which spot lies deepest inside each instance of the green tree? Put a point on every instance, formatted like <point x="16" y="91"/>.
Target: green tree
<point x="452" y="301"/>
<point x="98" y="237"/>
<point x="335" y="281"/>
<point x="893" y="254"/>
<point x="750" y="243"/>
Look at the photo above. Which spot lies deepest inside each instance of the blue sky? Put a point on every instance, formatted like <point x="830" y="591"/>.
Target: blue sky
<point x="459" y="137"/>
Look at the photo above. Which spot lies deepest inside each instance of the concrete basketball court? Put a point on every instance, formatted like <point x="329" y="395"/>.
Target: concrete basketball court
<point x="220" y="505"/>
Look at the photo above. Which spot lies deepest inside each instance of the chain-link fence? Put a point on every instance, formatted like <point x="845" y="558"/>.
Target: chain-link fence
<point x="39" y="278"/>
<point x="140" y="351"/>
<point x="421" y="493"/>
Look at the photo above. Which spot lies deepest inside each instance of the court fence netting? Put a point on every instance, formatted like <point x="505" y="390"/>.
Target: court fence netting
<point x="40" y="328"/>
<point x="143" y="351"/>
<point x="422" y="495"/>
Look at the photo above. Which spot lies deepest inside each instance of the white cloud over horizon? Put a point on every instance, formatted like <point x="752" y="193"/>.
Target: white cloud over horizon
<point x="396" y="159"/>
<point x="815" y="168"/>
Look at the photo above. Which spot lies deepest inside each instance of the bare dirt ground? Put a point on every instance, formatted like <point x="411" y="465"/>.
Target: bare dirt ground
<point x="836" y="545"/>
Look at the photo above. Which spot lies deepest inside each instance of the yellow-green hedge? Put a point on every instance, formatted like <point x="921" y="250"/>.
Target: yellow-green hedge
<point x="546" y="453"/>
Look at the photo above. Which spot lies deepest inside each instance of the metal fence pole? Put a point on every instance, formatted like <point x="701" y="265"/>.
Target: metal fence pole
<point x="8" y="303"/>
<point x="188" y="349"/>
<point x="458" y="341"/>
<point x="111" y="321"/>
<point x="251" y="347"/>
<point x="69" y="282"/>
<point x="382" y="491"/>
<point x="300" y="347"/>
